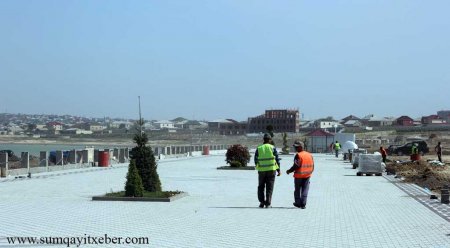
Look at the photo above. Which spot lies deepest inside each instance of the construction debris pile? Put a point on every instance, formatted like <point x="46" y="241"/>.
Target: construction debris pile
<point x="423" y="173"/>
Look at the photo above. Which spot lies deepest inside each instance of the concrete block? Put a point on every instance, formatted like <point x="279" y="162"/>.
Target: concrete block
<point x="127" y="153"/>
<point x="122" y="155"/>
<point x="116" y="153"/>
<point x="85" y="154"/>
<point x="25" y="160"/>
<point x="43" y="159"/>
<point x="3" y="164"/>
<point x="59" y="158"/>
<point x="72" y="157"/>
<point x="96" y="156"/>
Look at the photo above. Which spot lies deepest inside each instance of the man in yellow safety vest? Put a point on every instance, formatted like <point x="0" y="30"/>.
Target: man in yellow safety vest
<point x="268" y="164"/>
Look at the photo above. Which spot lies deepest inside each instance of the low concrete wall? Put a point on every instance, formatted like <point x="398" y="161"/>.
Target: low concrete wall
<point x="38" y="170"/>
<point x="122" y="156"/>
<point x="17" y="172"/>
<point x="68" y="167"/>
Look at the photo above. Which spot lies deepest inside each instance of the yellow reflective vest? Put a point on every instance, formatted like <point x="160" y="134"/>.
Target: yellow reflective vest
<point x="266" y="160"/>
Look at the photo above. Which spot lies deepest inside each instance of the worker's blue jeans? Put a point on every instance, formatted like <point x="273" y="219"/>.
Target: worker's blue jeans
<point x="301" y="190"/>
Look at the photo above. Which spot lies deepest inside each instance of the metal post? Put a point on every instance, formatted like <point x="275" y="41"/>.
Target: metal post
<point x="445" y="195"/>
<point x="25" y="161"/>
<point x="4" y="164"/>
<point x="43" y="160"/>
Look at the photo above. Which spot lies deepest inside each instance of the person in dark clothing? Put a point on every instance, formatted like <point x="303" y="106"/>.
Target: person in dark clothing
<point x="267" y="163"/>
<point x="303" y="168"/>
<point x="383" y="154"/>
<point x="438" y="150"/>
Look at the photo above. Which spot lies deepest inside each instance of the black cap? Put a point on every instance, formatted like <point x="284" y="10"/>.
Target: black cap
<point x="267" y="136"/>
<point x="298" y="143"/>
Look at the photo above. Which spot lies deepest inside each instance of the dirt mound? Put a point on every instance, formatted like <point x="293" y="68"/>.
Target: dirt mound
<point x="421" y="173"/>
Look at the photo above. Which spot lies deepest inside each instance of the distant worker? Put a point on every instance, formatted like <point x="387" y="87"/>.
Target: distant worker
<point x="331" y="147"/>
<point x="383" y="154"/>
<point x="337" y="147"/>
<point x="415" y="149"/>
<point x="415" y="152"/>
<point x="303" y="168"/>
<point x="267" y="163"/>
<point x="438" y="150"/>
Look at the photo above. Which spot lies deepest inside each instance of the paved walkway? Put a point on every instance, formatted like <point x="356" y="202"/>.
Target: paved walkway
<point x="222" y="209"/>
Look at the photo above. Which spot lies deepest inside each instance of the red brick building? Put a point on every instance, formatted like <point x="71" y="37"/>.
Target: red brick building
<point x="283" y="120"/>
<point x="405" y="121"/>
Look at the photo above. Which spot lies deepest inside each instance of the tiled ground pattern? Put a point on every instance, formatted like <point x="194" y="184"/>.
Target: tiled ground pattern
<point x="221" y="210"/>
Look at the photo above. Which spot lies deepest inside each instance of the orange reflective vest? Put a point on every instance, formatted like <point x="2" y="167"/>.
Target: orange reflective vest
<point x="306" y="167"/>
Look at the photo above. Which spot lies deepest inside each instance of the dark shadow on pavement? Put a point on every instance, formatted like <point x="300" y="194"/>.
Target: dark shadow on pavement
<point x="257" y="207"/>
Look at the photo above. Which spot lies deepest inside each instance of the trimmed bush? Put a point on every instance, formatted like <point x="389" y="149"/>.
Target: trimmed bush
<point x="237" y="156"/>
<point x="133" y="186"/>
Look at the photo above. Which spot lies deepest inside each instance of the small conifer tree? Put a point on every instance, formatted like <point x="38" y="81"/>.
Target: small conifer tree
<point x="133" y="186"/>
<point x="285" y="145"/>
<point x="269" y="129"/>
<point x="145" y="161"/>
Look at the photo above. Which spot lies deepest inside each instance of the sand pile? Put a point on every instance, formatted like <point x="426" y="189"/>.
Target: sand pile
<point x="421" y="173"/>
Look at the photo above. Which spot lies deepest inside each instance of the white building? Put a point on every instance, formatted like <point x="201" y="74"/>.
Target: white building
<point x="164" y="124"/>
<point x="328" y="124"/>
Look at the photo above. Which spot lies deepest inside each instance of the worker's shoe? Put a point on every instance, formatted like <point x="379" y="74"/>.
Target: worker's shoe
<point x="297" y="205"/>
<point x="261" y="205"/>
<point x="268" y="206"/>
<point x="302" y="207"/>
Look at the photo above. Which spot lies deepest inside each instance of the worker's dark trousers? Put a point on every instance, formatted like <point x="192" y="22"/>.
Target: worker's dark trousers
<point x="439" y="156"/>
<point x="384" y="159"/>
<point x="266" y="180"/>
<point x="337" y="153"/>
<point x="301" y="190"/>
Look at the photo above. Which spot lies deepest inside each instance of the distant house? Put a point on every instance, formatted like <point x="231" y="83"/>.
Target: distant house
<point x="195" y="125"/>
<point x="149" y="126"/>
<point x="306" y="124"/>
<point x="96" y="127"/>
<point x="55" y="126"/>
<point x="120" y="124"/>
<point x="444" y="115"/>
<point x="352" y="123"/>
<point x="380" y="122"/>
<point x="432" y="120"/>
<point x="404" y="121"/>
<point x="164" y="124"/>
<point x="14" y="129"/>
<point x="350" y="118"/>
<point x="319" y="140"/>
<point x="76" y="131"/>
<point x="41" y="127"/>
<point x="328" y="124"/>
<point x="227" y="127"/>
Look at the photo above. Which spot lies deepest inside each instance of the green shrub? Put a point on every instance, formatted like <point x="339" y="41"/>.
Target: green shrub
<point x="133" y="186"/>
<point x="237" y="156"/>
<point x="235" y="164"/>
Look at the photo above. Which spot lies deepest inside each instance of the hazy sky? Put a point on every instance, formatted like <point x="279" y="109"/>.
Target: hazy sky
<point x="224" y="59"/>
